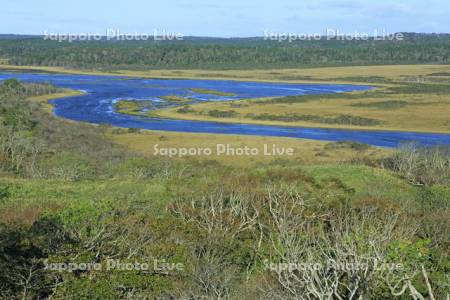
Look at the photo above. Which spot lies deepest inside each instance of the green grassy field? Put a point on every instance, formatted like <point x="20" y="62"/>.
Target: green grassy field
<point x="211" y="92"/>
<point x="88" y="198"/>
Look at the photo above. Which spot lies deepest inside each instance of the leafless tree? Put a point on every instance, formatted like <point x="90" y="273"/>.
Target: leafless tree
<point x="332" y="257"/>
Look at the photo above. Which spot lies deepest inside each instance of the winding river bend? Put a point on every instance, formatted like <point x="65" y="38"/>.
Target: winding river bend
<point x="102" y="92"/>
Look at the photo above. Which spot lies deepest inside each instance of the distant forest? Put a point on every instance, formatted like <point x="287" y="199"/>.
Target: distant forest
<point x="214" y="53"/>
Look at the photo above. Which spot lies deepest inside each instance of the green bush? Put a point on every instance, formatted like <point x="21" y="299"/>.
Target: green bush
<point x="340" y="119"/>
<point x="222" y="113"/>
<point x="4" y="192"/>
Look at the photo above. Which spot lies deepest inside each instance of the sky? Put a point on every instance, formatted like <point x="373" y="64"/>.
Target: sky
<point x="228" y="18"/>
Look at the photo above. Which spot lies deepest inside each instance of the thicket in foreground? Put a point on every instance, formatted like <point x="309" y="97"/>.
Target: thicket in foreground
<point x="206" y="231"/>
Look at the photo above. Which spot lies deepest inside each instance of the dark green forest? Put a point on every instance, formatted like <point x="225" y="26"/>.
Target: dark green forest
<point x="214" y="53"/>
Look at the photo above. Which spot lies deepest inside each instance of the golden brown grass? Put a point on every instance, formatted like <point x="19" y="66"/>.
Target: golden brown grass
<point x="331" y="74"/>
<point x="425" y="113"/>
<point x="305" y="151"/>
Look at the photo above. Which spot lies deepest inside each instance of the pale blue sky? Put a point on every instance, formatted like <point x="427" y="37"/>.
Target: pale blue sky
<point x="225" y="18"/>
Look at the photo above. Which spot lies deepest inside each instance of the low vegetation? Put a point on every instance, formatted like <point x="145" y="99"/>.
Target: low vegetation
<point x="175" y="98"/>
<point x="68" y="195"/>
<point x="341" y="119"/>
<point x="36" y="145"/>
<point x="212" y="92"/>
<point x="400" y="105"/>
<point x="446" y="74"/>
<point x="133" y="107"/>
<point x="185" y="110"/>
<point x="423" y="166"/>
<point x="347" y="145"/>
<point x="393" y="104"/>
<point x="222" y="113"/>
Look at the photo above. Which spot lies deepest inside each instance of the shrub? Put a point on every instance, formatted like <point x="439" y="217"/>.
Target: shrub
<point x="387" y="105"/>
<point x="347" y="145"/>
<point x="222" y="113"/>
<point x="134" y="130"/>
<point x="33" y="143"/>
<point x="185" y="110"/>
<point x="340" y="119"/>
<point x="422" y="165"/>
<point x="4" y="192"/>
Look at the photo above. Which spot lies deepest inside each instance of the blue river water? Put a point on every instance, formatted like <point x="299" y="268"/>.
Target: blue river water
<point x="101" y="92"/>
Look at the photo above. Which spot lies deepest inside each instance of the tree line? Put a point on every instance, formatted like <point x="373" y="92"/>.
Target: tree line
<point x="225" y="53"/>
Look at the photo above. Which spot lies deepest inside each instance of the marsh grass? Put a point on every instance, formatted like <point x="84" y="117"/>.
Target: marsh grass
<point x="440" y="74"/>
<point x="211" y="92"/>
<point x="340" y="119"/>
<point x="347" y="145"/>
<point x="222" y="113"/>
<point x="421" y="88"/>
<point x="340" y="96"/>
<point x="186" y="110"/>
<point x="392" y="104"/>
<point x="133" y="107"/>
<point x="175" y="98"/>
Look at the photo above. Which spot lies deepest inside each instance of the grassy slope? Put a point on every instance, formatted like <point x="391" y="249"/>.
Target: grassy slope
<point x="305" y="151"/>
<point x="31" y="198"/>
<point x="367" y="182"/>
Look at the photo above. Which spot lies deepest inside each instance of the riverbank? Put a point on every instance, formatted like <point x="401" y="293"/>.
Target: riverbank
<point x="426" y="113"/>
<point x="305" y="152"/>
<point x="340" y="75"/>
<point x="397" y="104"/>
